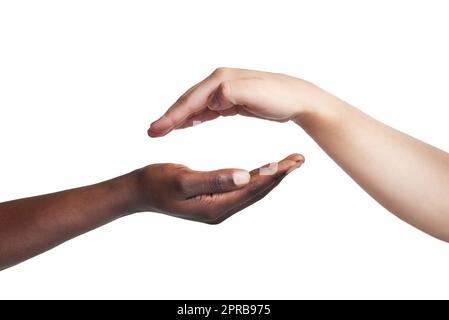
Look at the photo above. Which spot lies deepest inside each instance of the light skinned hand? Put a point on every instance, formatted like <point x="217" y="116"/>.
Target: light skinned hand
<point x="405" y="175"/>
<point x="228" y="92"/>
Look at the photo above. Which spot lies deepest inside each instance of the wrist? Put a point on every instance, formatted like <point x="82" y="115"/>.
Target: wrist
<point x="142" y="182"/>
<point x="318" y="108"/>
<point x="125" y="194"/>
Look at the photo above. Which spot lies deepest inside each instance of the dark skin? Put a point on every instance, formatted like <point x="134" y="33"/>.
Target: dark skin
<point x="33" y="225"/>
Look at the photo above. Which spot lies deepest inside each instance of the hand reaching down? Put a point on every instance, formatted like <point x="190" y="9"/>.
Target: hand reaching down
<point x="228" y="92"/>
<point x="407" y="176"/>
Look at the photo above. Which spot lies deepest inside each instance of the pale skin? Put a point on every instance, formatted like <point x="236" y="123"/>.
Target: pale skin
<point x="408" y="177"/>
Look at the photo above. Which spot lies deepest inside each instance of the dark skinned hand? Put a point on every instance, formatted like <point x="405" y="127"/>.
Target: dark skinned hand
<point x="33" y="225"/>
<point x="209" y="197"/>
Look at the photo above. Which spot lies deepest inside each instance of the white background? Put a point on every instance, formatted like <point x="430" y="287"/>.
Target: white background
<point x="80" y="82"/>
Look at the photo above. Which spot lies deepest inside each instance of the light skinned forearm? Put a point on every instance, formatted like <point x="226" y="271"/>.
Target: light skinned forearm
<point x="33" y="225"/>
<point x="408" y="177"/>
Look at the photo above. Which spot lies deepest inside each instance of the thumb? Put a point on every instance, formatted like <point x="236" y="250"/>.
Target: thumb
<point x="218" y="181"/>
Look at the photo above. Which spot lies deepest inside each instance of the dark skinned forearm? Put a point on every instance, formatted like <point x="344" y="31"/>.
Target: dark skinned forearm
<point x="33" y="225"/>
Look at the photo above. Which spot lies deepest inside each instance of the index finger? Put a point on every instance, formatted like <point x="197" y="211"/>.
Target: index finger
<point x="191" y="102"/>
<point x="263" y="180"/>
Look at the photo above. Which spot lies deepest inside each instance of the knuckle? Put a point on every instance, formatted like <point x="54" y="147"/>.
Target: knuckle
<point x="217" y="183"/>
<point x="181" y="184"/>
<point x="221" y="72"/>
<point x="182" y="99"/>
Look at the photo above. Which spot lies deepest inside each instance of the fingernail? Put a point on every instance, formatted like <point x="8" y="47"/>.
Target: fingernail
<point x="154" y="133"/>
<point x="153" y="127"/>
<point x="296" y="166"/>
<point x="270" y="170"/>
<point x="241" y="177"/>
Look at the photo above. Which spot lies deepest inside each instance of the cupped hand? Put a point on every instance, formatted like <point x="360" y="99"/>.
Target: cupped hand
<point x="209" y="197"/>
<point x="228" y="92"/>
